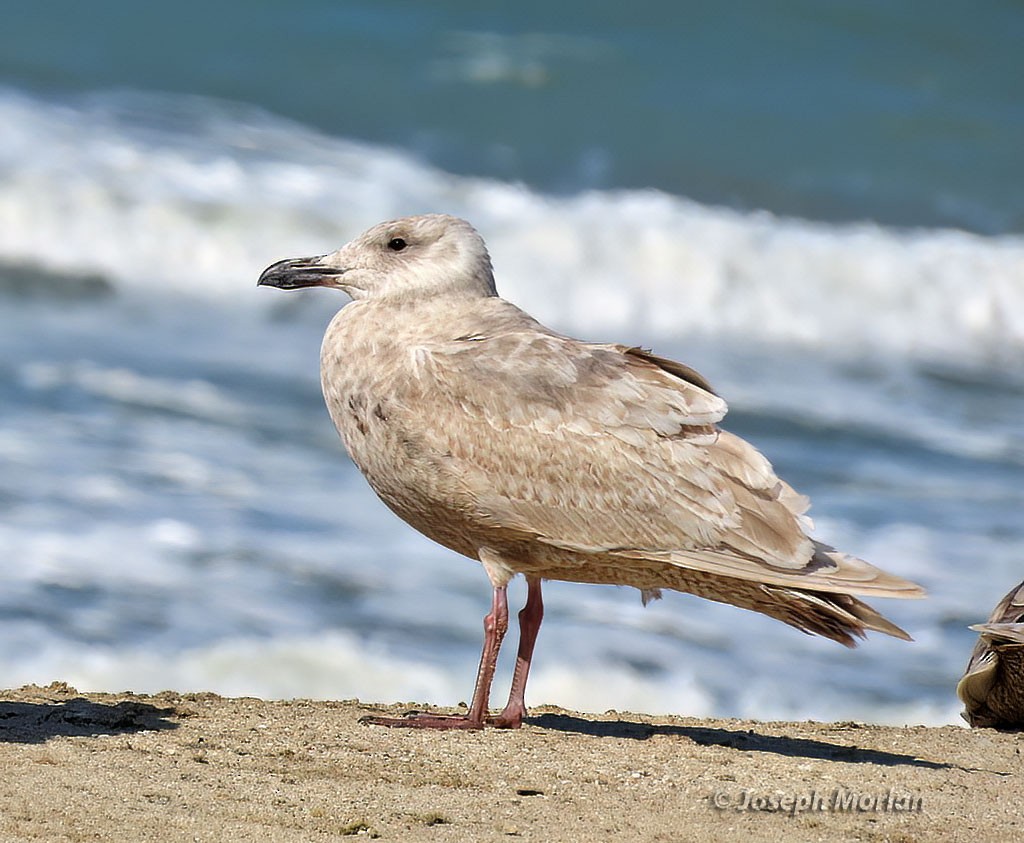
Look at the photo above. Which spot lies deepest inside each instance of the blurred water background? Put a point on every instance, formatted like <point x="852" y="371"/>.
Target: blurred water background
<point x="819" y="206"/>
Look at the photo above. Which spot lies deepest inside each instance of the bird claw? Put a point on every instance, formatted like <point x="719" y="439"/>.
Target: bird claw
<point x="422" y="720"/>
<point x="504" y="722"/>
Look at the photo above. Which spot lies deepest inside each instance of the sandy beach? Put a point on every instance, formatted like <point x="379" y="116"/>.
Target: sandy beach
<point x="207" y="768"/>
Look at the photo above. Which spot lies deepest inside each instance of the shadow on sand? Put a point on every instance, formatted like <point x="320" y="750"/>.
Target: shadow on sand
<point x="37" y="722"/>
<point x="746" y="740"/>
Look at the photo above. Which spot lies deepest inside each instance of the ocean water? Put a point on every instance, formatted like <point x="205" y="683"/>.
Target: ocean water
<point x="820" y="210"/>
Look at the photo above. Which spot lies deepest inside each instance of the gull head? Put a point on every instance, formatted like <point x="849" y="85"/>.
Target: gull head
<point x="400" y="260"/>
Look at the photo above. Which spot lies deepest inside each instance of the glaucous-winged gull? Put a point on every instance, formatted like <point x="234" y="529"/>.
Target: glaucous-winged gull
<point x="539" y="454"/>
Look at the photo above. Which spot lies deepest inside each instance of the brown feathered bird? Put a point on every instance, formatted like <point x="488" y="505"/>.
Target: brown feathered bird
<point x="992" y="687"/>
<point x="539" y="454"/>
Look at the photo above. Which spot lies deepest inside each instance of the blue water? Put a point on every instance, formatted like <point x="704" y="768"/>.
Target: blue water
<point x="847" y="110"/>
<point x="818" y="208"/>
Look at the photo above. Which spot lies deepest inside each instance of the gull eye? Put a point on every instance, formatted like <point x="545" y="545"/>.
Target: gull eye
<point x="396" y="244"/>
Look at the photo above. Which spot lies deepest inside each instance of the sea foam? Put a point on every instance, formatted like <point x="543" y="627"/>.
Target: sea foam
<point x="183" y="195"/>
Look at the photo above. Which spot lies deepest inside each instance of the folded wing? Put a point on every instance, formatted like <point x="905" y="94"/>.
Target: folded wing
<point x="606" y="449"/>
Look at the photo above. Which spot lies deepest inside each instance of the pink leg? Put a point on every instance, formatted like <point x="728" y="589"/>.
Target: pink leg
<point x="495" y="626"/>
<point x="529" y="625"/>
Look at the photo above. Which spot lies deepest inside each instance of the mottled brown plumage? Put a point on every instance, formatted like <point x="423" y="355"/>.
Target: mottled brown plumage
<point x="539" y="454"/>
<point x="992" y="687"/>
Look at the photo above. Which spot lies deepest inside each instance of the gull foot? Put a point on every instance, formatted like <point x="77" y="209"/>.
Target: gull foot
<point x="508" y="719"/>
<point x="424" y="721"/>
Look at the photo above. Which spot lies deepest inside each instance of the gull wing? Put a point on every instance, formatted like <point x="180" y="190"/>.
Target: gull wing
<point x="612" y="450"/>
